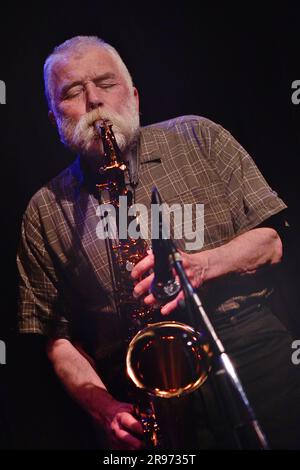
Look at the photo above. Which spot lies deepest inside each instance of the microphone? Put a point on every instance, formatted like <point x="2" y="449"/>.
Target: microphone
<point x="164" y="286"/>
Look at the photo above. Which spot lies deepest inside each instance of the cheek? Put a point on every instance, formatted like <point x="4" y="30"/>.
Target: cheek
<point x="72" y="110"/>
<point x="121" y="99"/>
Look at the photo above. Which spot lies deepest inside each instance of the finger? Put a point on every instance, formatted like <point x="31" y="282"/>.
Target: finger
<point x="130" y="423"/>
<point x="143" y="266"/>
<point x="121" y="439"/>
<point x="135" y="427"/>
<point x="170" y="306"/>
<point x="143" y="286"/>
<point x="128" y="439"/>
<point x="127" y="425"/>
<point x="150" y="300"/>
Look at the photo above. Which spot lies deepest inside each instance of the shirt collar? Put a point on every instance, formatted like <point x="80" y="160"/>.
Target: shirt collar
<point x="147" y="150"/>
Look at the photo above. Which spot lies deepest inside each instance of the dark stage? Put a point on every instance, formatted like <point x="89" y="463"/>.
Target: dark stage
<point x="233" y="65"/>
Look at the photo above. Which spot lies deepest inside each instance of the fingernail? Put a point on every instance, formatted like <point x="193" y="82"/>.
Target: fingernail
<point x="136" y="294"/>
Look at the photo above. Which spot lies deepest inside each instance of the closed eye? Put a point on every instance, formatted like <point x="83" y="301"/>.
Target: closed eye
<point x="104" y="85"/>
<point x="72" y="92"/>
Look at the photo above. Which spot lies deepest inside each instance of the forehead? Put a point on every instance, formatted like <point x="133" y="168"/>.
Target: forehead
<point x="83" y="65"/>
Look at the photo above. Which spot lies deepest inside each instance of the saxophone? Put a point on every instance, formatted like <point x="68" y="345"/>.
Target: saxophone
<point x="165" y="360"/>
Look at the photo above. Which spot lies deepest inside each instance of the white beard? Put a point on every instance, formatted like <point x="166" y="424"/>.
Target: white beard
<point x="82" y="137"/>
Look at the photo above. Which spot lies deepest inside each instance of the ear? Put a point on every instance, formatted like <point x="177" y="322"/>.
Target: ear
<point x="137" y="98"/>
<point x="52" y="118"/>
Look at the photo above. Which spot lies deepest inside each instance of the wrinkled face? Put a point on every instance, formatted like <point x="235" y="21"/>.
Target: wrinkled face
<point x="87" y="87"/>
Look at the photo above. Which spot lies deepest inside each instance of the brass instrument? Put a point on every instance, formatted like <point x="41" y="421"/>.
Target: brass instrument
<point x="166" y="360"/>
<point x="123" y="253"/>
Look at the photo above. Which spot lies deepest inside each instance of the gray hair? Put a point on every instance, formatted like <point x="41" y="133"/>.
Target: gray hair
<point x="78" y="44"/>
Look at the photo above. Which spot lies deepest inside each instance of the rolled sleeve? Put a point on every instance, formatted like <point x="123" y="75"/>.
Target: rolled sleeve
<point x="250" y="197"/>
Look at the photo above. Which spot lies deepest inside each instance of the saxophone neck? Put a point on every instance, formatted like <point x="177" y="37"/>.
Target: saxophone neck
<point x="111" y="149"/>
<point x="112" y="167"/>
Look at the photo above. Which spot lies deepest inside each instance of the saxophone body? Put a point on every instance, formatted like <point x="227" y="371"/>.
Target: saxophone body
<point x="123" y="253"/>
<point x="166" y="360"/>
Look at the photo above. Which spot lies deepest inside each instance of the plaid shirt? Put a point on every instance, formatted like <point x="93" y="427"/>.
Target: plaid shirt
<point x="65" y="285"/>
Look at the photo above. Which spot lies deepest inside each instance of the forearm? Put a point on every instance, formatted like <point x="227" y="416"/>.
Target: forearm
<point x="244" y="254"/>
<point x="86" y="387"/>
<point x="79" y="377"/>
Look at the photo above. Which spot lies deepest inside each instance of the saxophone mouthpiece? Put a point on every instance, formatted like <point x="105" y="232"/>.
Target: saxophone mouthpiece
<point x="102" y="124"/>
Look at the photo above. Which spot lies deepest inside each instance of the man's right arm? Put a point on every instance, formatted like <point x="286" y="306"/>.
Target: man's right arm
<point x="82" y="382"/>
<point x="42" y="311"/>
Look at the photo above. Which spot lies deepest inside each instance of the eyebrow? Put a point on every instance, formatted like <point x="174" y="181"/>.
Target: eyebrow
<point x="99" y="78"/>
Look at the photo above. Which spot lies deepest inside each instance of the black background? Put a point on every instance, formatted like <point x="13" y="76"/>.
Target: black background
<point x="234" y="65"/>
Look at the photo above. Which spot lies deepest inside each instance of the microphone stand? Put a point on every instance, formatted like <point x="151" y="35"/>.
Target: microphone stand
<point x="245" y="427"/>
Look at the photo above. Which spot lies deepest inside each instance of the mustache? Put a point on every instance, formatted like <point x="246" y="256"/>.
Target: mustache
<point x="87" y="121"/>
<point x="81" y="135"/>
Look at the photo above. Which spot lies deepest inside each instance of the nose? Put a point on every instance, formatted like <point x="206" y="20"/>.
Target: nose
<point x="93" y="96"/>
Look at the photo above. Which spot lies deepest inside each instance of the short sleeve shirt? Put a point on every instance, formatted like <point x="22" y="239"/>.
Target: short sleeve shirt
<point x="65" y="284"/>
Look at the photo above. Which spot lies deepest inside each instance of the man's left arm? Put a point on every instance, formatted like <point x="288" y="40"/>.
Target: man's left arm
<point x="256" y="215"/>
<point x="243" y="255"/>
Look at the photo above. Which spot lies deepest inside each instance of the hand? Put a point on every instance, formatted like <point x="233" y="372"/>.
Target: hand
<point x="195" y="265"/>
<point x="122" y="430"/>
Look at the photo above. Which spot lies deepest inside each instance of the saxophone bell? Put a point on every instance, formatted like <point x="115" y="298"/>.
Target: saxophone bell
<point x="167" y="362"/>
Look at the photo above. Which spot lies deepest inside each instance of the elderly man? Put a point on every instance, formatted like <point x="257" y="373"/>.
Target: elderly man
<point x="66" y="291"/>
